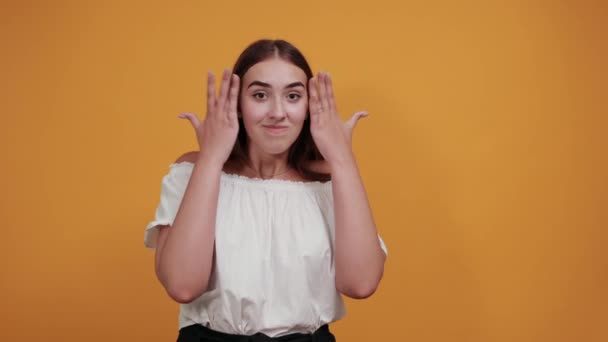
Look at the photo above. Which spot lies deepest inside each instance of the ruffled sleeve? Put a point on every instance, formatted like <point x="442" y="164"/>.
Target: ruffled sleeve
<point x="173" y="187"/>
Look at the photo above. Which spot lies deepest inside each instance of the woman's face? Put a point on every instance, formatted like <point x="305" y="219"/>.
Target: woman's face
<point x="274" y="103"/>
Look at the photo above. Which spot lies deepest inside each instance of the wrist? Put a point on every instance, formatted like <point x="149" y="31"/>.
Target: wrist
<point x="345" y="161"/>
<point x="210" y="162"/>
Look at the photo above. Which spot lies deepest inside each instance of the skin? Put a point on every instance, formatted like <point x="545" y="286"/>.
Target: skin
<point x="184" y="253"/>
<point x="273" y="93"/>
<point x="359" y="257"/>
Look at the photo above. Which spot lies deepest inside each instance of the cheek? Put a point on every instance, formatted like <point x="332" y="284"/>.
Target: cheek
<point x="298" y="110"/>
<point x="253" y="111"/>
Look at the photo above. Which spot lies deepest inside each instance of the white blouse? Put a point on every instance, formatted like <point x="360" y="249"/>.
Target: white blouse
<point x="274" y="266"/>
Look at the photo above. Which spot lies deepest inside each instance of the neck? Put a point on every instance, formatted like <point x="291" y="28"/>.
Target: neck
<point x="268" y="165"/>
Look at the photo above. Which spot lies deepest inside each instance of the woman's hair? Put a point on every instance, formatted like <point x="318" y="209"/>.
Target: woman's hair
<point x="303" y="149"/>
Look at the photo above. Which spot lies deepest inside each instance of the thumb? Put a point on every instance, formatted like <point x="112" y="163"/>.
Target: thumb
<point x="352" y="122"/>
<point x="192" y="118"/>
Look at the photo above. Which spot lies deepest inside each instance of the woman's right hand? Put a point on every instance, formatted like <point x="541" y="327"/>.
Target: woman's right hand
<point x="217" y="133"/>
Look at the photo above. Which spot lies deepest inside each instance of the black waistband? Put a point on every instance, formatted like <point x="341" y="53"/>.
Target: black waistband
<point x="200" y="333"/>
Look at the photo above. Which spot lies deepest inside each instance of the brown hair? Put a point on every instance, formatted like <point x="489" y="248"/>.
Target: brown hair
<point x="303" y="150"/>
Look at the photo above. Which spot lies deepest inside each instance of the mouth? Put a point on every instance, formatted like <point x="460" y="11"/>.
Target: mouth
<point x="276" y="129"/>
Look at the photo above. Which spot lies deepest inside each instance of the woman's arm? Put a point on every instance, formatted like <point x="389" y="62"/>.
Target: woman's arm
<point x="359" y="257"/>
<point x="184" y="259"/>
<point x="187" y="256"/>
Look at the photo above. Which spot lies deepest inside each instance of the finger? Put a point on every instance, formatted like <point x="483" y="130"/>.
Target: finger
<point x="352" y="122"/>
<point x="323" y="92"/>
<point x="224" y="87"/>
<point x="211" y="100"/>
<point x="210" y="92"/>
<point x="313" y="102"/>
<point x="192" y="118"/>
<point x="330" y="95"/>
<point x="234" y="97"/>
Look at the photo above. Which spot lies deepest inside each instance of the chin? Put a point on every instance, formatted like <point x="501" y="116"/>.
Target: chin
<point x="277" y="147"/>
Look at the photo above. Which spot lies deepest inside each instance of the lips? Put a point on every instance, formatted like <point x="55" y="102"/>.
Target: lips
<point x="272" y="129"/>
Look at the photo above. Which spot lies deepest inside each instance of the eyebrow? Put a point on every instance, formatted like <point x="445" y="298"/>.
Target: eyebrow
<point x="266" y="85"/>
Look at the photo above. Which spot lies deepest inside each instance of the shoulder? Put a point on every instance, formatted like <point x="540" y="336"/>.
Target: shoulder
<point x="179" y="171"/>
<point x="188" y="157"/>
<point x="192" y="157"/>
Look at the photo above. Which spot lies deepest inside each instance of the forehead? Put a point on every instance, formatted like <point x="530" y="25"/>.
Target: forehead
<point x="275" y="71"/>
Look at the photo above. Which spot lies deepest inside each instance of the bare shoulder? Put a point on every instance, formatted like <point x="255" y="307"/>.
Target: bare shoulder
<point x="188" y="157"/>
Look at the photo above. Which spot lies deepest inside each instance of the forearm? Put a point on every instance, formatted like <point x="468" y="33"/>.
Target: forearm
<point x="187" y="256"/>
<point x="359" y="257"/>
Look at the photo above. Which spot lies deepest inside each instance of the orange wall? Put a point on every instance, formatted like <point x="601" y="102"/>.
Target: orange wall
<point x="483" y="158"/>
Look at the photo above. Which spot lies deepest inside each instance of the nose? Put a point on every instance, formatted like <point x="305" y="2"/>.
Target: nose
<point x="277" y="112"/>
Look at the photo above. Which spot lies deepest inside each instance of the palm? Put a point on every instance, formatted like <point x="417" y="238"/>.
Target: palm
<point x="332" y="136"/>
<point x="218" y="132"/>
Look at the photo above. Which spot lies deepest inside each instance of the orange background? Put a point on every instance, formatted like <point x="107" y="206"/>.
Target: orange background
<point x="483" y="157"/>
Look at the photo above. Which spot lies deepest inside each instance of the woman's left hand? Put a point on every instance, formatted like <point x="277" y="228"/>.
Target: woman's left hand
<point x="332" y="136"/>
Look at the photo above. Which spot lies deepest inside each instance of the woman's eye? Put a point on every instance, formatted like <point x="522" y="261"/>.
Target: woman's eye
<point x="259" y="96"/>
<point x="294" y="96"/>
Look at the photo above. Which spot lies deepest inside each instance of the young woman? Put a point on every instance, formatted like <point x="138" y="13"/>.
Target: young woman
<point x="259" y="232"/>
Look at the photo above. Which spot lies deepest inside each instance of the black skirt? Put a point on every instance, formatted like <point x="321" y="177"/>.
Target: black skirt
<point x="200" y="333"/>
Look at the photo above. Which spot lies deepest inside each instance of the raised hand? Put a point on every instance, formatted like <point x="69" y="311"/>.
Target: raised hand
<point x="332" y="136"/>
<point x="217" y="133"/>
